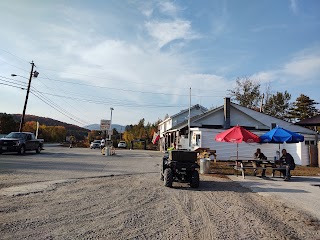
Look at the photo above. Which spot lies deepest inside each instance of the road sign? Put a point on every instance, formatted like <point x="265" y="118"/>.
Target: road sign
<point x="105" y="124"/>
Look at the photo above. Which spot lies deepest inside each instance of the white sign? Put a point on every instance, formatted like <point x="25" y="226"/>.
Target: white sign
<point x="110" y="132"/>
<point x="105" y="124"/>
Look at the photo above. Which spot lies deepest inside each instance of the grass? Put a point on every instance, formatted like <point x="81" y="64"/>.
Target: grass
<point x="222" y="169"/>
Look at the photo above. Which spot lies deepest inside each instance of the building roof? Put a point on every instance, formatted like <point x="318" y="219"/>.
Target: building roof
<point x="184" y="111"/>
<point x="313" y="121"/>
<point x="187" y="110"/>
<point x="263" y="118"/>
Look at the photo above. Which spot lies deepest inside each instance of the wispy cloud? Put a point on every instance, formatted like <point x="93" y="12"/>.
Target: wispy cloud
<point x="294" y="6"/>
<point x="302" y="69"/>
<point x="168" y="8"/>
<point x="269" y="27"/>
<point x="166" y="32"/>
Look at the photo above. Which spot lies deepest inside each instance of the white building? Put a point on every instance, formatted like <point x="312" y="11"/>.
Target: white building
<point x="205" y="126"/>
<point x="175" y="120"/>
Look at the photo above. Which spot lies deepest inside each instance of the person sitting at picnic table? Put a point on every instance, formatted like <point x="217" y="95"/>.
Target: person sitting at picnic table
<point x="259" y="156"/>
<point x="287" y="163"/>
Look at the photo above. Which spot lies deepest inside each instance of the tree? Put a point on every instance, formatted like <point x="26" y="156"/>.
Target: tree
<point x="246" y="93"/>
<point x="141" y="131"/>
<point x="303" y="107"/>
<point x="277" y="105"/>
<point x="7" y="123"/>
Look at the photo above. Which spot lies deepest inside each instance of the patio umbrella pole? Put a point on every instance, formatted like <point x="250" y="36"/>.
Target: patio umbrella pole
<point x="237" y="151"/>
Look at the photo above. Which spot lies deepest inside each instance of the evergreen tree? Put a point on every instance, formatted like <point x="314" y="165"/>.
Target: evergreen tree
<point x="7" y="124"/>
<point x="278" y="105"/>
<point x="303" y="107"/>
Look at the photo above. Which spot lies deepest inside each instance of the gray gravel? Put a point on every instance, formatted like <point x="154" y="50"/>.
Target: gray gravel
<point x="137" y="206"/>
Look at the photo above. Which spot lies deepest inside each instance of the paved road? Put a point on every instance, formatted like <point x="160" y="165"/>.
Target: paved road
<point x="58" y="163"/>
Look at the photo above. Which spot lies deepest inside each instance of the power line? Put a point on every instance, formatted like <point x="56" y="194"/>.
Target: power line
<point x="19" y="84"/>
<point x="14" y="55"/>
<point x="113" y="103"/>
<point x="39" y="97"/>
<point x="43" y="98"/>
<point x="34" y="90"/>
<point x="13" y="65"/>
<point x="99" y="77"/>
<point x="61" y="90"/>
<point x="129" y="90"/>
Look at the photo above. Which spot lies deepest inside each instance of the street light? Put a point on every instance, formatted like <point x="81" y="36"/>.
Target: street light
<point x="32" y="74"/>
<point x="110" y="123"/>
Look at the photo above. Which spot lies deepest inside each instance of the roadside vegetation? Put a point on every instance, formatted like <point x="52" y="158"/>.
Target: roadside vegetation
<point x="222" y="169"/>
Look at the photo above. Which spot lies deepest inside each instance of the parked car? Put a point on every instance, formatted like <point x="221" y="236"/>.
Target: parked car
<point x="122" y="144"/>
<point x="95" y="144"/>
<point x="20" y="142"/>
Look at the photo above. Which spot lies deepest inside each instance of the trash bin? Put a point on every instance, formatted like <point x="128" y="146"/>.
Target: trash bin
<point x="108" y="153"/>
<point x="204" y="165"/>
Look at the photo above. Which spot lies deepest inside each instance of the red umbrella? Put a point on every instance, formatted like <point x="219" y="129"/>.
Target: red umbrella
<point x="237" y="135"/>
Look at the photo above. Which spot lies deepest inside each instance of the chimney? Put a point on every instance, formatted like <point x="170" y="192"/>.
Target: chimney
<point x="226" y="113"/>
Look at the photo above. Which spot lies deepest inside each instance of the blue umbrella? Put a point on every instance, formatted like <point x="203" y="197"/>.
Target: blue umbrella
<point x="281" y="135"/>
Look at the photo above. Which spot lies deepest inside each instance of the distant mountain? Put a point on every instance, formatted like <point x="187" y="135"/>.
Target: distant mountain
<point x="48" y="122"/>
<point x="74" y="130"/>
<point x="96" y="127"/>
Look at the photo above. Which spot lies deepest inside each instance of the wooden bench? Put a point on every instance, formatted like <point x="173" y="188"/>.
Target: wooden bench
<point x="274" y="169"/>
<point x="242" y="169"/>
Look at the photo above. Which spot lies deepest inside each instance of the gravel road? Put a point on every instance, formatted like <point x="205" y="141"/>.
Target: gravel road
<point x="138" y="206"/>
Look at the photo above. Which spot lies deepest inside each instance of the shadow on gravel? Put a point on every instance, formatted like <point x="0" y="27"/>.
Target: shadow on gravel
<point x="294" y="179"/>
<point x="51" y="165"/>
<point x="212" y="186"/>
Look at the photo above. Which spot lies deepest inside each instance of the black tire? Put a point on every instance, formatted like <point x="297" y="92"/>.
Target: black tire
<point x="161" y="173"/>
<point x="22" y="150"/>
<point x="38" y="150"/>
<point x="168" y="177"/>
<point x="195" y="181"/>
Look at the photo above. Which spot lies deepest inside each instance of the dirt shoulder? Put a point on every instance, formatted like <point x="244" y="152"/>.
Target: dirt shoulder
<point x="139" y="207"/>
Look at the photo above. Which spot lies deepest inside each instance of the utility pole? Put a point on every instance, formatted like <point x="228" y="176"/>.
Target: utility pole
<point x="189" y="133"/>
<point x="27" y="96"/>
<point x="110" y="123"/>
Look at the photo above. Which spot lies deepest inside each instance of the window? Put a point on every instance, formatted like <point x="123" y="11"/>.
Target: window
<point x="309" y="142"/>
<point x="198" y="140"/>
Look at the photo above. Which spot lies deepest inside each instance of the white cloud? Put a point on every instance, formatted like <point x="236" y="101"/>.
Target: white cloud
<point x="166" y="32"/>
<point x="265" y="76"/>
<point x="306" y="67"/>
<point x="302" y="69"/>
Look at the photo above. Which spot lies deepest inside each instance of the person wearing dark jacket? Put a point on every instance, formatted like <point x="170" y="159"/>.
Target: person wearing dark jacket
<point x="259" y="156"/>
<point x="287" y="162"/>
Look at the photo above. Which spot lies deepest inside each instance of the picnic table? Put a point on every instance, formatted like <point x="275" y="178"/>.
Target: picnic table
<point x="241" y="164"/>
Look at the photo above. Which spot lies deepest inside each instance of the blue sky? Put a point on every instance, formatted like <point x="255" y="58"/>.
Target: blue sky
<point x="141" y="57"/>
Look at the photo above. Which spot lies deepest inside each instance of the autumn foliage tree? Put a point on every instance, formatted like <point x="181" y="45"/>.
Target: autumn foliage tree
<point x="140" y="131"/>
<point x="49" y="133"/>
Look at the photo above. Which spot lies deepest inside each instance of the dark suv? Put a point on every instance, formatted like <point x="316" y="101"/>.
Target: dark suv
<point x="180" y="166"/>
